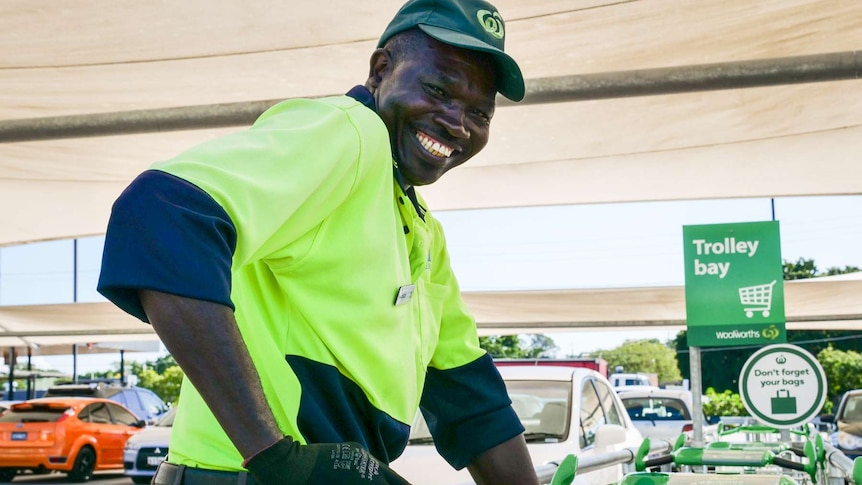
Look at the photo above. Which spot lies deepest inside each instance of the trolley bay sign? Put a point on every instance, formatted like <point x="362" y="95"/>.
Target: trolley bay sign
<point x="734" y="291"/>
<point x="782" y="385"/>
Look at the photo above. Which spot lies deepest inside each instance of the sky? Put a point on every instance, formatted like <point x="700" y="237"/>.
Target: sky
<point x="559" y="247"/>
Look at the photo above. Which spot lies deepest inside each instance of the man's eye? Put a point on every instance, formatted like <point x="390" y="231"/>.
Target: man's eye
<point x="484" y="117"/>
<point x="436" y="91"/>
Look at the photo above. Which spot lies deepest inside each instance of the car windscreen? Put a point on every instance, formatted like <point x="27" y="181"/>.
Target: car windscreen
<point x="544" y="408"/>
<point x="33" y="414"/>
<point x="852" y="410"/>
<point x="168" y="419"/>
<point x="656" y="409"/>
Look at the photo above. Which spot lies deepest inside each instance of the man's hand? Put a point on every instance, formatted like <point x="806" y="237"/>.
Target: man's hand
<point x="290" y="463"/>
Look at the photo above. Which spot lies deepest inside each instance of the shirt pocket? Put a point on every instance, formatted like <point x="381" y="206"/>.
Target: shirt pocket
<point x="432" y="297"/>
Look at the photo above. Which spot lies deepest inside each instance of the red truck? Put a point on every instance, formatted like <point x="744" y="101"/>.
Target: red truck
<point x="598" y="365"/>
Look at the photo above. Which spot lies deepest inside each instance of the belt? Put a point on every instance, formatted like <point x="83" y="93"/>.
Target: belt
<point x="170" y="474"/>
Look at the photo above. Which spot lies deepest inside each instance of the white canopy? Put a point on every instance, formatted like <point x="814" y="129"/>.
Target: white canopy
<point x="100" y="56"/>
<point x="821" y="303"/>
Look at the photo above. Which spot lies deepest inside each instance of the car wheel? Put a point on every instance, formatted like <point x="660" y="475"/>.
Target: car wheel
<point x="8" y="474"/>
<point x="84" y="465"/>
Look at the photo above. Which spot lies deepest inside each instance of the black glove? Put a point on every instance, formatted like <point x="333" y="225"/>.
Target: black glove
<point x="290" y="463"/>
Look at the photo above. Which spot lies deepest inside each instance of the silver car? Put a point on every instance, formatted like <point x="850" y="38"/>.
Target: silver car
<point x="147" y="448"/>
<point x="659" y="413"/>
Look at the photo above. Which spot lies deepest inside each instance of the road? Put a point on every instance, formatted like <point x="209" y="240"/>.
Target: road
<point x="100" y="478"/>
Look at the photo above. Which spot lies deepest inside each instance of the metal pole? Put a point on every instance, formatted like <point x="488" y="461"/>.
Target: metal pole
<point x="139" y="121"/>
<point x="11" y="373"/>
<point x="144" y="330"/>
<point x="696" y="393"/>
<point x="31" y="380"/>
<point x="75" y="270"/>
<point x="644" y="82"/>
<point x="75" y="363"/>
<point x="694" y="78"/>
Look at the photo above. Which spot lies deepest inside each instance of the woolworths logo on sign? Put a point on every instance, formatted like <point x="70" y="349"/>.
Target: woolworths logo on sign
<point x="733" y="284"/>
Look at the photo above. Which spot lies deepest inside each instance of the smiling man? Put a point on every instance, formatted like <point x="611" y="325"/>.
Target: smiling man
<point x="300" y="282"/>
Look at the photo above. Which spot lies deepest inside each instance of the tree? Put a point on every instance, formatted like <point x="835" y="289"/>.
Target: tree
<point x="518" y="347"/>
<point x="720" y="367"/>
<point x="806" y="268"/>
<point x="646" y="355"/>
<point x="723" y="404"/>
<point x="843" y="372"/>
<point x="166" y="385"/>
<point x="801" y="269"/>
<point x="159" y="365"/>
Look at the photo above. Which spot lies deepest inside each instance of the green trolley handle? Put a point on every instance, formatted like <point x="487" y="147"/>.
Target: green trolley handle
<point x="727" y="457"/>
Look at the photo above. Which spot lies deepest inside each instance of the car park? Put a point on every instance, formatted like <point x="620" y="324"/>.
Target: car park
<point x="659" y="413"/>
<point x="146" y="450"/>
<point x="73" y="435"/>
<point x="564" y="410"/>
<point x="144" y="403"/>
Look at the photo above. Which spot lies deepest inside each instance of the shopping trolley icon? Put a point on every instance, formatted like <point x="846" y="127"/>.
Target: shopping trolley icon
<point x="756" y="299"/>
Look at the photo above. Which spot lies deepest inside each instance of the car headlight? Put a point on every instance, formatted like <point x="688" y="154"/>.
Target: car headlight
<point x="130" y="446"/>
<point x="849" y="441"/>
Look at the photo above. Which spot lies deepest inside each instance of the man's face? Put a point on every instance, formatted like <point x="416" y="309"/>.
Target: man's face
<point x="437" y="104"/>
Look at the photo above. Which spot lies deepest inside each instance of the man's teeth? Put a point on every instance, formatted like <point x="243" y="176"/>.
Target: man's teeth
<point x="434" y="147"/>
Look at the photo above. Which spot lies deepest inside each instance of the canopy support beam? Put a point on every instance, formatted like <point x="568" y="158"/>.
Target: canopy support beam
<point x="645" y="323"/>
<point x="94" y="333"/>
<point x="646" y="82"/>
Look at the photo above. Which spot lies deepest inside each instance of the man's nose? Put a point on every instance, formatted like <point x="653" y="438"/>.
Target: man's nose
<point x="454" y="120"/>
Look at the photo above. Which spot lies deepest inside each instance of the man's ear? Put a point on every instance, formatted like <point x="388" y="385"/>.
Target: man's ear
<point x="380" y="64"/>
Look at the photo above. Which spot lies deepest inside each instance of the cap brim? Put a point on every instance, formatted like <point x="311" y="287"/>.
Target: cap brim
<point x="510" y="81"/>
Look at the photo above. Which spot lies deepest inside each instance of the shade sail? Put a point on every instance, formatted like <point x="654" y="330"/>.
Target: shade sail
<point x="806" y="302"/>
<point x="103" y="56"/>
<point x="55" y="328"/>
<point x="100" y="56"/>
<point x="819" y="303"/>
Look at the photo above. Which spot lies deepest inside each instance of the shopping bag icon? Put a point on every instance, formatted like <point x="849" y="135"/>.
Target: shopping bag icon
<point x="783" y="404"/>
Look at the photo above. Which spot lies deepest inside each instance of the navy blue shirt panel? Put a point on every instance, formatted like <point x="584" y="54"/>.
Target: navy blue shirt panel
<point x="168" y="235"/>
<point x="462" y="432"/>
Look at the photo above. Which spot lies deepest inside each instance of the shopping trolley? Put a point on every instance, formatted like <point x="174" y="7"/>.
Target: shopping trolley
<point x="757" y="299"/>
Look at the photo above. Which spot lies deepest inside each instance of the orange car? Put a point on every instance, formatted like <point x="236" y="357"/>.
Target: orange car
<point x="76" y="435"/>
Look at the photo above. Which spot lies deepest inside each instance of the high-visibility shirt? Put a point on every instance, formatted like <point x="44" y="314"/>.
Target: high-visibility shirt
<point x="340" y="283"/>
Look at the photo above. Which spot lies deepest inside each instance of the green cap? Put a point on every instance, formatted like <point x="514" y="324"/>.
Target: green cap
<point x="471" y="24"/>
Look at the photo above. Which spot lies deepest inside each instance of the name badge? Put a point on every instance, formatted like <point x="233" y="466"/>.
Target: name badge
<point x="404" y="294"/>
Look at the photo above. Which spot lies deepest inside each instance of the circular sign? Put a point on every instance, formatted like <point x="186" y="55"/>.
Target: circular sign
<point x="782" y="385"/>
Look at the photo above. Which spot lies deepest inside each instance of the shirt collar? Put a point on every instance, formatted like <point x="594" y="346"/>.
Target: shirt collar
<point x="363" y="95"/>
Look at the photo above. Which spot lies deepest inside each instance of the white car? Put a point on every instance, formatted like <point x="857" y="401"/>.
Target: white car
<point x="147" y="448"/>
<point x="565" y="410"/>
<point x="659" y="413"/>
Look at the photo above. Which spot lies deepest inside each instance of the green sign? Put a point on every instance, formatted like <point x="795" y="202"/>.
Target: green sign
<point x="734" y="291"/>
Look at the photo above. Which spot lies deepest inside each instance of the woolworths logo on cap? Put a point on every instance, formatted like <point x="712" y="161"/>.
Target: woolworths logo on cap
<point x="492" y="22"/>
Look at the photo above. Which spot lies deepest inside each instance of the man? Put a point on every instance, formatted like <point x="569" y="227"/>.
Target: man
<point x="298" y="280"/>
